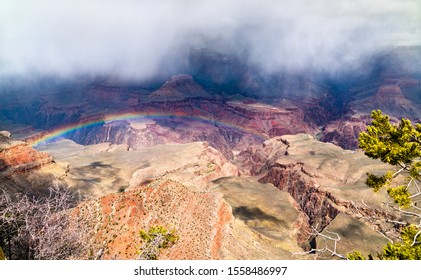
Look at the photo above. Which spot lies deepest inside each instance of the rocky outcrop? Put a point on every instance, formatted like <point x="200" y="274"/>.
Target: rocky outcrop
<point x="196" y="168"/>
<point x="105" y="168"/>
<point x="19" y="157"/>
<point x="326" y="181"/>
<point x="178" y="88"/>
<point x="345" y="132"/>
<point x="314" y="203"/>
<point x="183" y="186"/>
<point x="264" y="211"/>
<point x="369" y="241"/>
<point x="230" y="127"/>
<point x="199" y="219"/>
<point x="395" y="94"/>
<point x="24" y="169"/>
<point x="218" y="224"/>
<point x="391" y="99"/>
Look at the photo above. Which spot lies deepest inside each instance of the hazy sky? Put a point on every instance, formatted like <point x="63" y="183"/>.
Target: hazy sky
<point x="136" y="38"/>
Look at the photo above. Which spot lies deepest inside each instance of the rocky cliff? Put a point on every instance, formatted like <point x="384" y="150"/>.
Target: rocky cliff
<point x="199" y="219"/>
<point x="210" y="225"/>
<point x="395" y="94"/>
<point x="179" y="111"/>
<point x="25" y="169"/>
<point x="210" y="154"/>
<point x="19" y="157"/>
<point x="229" y="126"/>
<point x="328" y="182"/>
<point x="191" y="188"/>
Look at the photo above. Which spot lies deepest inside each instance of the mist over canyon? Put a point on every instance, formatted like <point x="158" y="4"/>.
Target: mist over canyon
<point x="142" y="39"/>
<point x="218" y="98"/>
<point x="237" y="127"/>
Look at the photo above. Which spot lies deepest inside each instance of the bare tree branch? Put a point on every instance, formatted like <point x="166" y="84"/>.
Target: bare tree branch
<point x="384" y="235"/>
<point x="333" y="252"/>
<point x="407" y="213"/>
<point x="41" y="227"/>
<point x="415" y="238"/>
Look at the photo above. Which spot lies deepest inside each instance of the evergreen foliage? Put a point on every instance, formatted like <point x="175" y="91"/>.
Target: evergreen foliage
<point x="408" y="249"/>
<point x="398" y="145"/>
<point x="376" y="182"/>
<point x="355" y="256"/>
<point x="394" y="144"/>
<point x="400" y="196"/>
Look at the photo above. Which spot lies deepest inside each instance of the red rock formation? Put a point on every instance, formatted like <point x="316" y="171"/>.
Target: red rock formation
<point x="344" y="132"/>
<point x="179" y="87"/>
<point x="227" y="126"/>
<point x="198" y="219"/>
<point x="16" y="156"/>
<point x="390" y="98"/>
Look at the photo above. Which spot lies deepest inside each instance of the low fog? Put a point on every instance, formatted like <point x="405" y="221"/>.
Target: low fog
<point x="137" y="39"/>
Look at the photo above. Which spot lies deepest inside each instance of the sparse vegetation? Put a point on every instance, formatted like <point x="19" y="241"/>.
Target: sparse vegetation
<point x="211" y="167"/>
<point x="122" y="189"/>
<point x="157" y="238"/>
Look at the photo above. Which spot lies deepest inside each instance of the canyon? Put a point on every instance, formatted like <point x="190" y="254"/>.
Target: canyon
<point x="193" y="189"/>
<point x="241" y="165"/>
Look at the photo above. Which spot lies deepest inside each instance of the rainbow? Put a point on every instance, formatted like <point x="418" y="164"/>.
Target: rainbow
<point x="61" y="131"/>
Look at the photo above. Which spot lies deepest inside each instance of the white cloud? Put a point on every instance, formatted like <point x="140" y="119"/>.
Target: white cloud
<point x="132" y="38"/>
